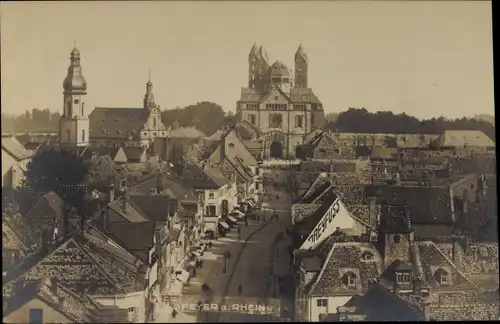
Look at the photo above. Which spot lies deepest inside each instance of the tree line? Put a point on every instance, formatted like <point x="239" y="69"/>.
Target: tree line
<point x="208" y="117"/>
<point x="359" y="120"/>
<point x="36" y="120"/>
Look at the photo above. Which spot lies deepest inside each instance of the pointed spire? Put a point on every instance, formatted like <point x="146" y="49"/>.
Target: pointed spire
<point x="301" y="53"/>
<point x="254" y="51"/>
<point x="149" y="79"/>
<point x="263" y="53"/>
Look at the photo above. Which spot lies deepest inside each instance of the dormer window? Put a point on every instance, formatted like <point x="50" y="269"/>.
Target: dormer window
<point x="397" y="238"/>
<point x="441" y="276"/>
<point x="349" y="279"/>
<point x="231" y="145"/>
<point x="403" y="278"/>
<point x="368" y="256"/>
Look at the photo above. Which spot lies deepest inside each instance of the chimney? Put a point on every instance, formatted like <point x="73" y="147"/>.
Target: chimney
<point x="455" y="250"/>
<point x="427" y="310"/>
<point x="111" y="192"/>
<point x="53" y="285"/>
<point x="222" y="146"/>
<point x="124" y="202"/>
<point x="373" y="212"/>
<point x="417" y="286"/>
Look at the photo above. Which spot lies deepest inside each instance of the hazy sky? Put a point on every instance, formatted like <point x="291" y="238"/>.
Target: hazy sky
<point x="423" y="58"/>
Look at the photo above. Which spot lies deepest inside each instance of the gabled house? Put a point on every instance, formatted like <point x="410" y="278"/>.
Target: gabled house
<point x="18" y="239"/>
<point x="89" y="265"/>
<point x="135" y="154"/>
<point x="47" y="301"/>
<point x="232" y="153"/>
<point x="213" y="190"/>
<point x="115" y="153"/>
<point x="51" y="215"/>
<point x="464" y="142"/>
<point x="416" y="271"/>
<point x="379" y="304"/>
<point x="15" y="159"/>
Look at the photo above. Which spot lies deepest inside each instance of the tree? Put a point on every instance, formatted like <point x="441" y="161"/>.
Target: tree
<point x="58" y="170"/>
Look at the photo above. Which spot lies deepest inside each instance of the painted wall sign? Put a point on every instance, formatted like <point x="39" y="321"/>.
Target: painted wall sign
<point x="324" y="228"/>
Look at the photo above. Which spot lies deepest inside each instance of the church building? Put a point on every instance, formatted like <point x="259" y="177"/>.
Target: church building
<point x="279" y="104"/>
<point x="106" y="126"/>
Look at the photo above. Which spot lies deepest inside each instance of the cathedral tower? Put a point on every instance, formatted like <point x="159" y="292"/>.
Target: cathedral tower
<point x="254" y="59"/>
<point x="301" y="63"/>
<point x="149" y="97"/>
<point x="74" y="123"/>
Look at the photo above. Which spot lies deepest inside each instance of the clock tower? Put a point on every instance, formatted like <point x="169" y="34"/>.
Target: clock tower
<point x="74" y="124"/>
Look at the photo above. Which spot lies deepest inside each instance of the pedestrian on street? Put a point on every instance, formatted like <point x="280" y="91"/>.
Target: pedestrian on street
<point x="210" y="244"/>
<point x="229" y="254"/>
<point x="240" y="289"/>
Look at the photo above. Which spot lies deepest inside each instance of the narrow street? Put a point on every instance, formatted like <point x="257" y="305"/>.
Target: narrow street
<point x="254" y="271"/>
<point x="251" y="263"/>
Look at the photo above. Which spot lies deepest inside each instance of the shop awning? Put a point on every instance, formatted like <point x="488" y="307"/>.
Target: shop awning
<point x="197" y="253"/>
<point x="239" y="213"/>
<point x="175" y="289"/>
<point x="251" y="203"/>
<point x="224" y="224"/>
<point x="232" y="219"/>
<point x="183" y="276"/>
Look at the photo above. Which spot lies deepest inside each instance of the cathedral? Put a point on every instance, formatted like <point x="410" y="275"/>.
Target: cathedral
<point x="105" y="126"/>
<point x="279" y="103"/>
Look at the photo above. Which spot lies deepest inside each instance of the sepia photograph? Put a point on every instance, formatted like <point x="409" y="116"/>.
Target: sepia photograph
<point x="248" y="161"/>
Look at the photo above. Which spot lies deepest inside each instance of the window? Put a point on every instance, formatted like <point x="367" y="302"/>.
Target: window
<point x="276" y="98"/>
<point x="67" y="136"/>
<point x="36" y="316"/>
<point x="83" y="105"/>
<point x="397" y="238"/>
<point x="154" y="122"/>
<point x="231" y="145"/>
<point x="145" y="133"/>
<point x="210" y="211"/>
<point x="299" y="107"/>
<point x="403" y="278"/>
<point x="443" y="278"/>
<point x="252" y="106"/>
<point x="131" y="309"/>
<point x="211" y="195"/>
<point x="323" y="302"/>
<point x="252" y="119"/>
<point x="257" y="186"/>
<point x="83" y="135"/>
<point x="275" y="120"/>
<point x="351" y="280"/>
<point x="299" y="121"/>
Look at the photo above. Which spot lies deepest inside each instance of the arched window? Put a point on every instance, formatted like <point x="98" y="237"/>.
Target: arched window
<point x="83" y="105"/>
<point x="154" y="122"/>
<point x="83" y="135"/>
<point x="68" y="109"/>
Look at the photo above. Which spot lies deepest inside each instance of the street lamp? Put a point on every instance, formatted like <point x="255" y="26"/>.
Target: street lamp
<point x="225" y="263"/>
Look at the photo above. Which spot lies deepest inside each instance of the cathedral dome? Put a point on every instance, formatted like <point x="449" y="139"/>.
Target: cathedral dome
<point x="279" y="69"/>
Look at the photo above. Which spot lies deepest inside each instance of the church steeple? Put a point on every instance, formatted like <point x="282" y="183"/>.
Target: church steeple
<point x="74" y="124"/>
<point x="149" y="98"/>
